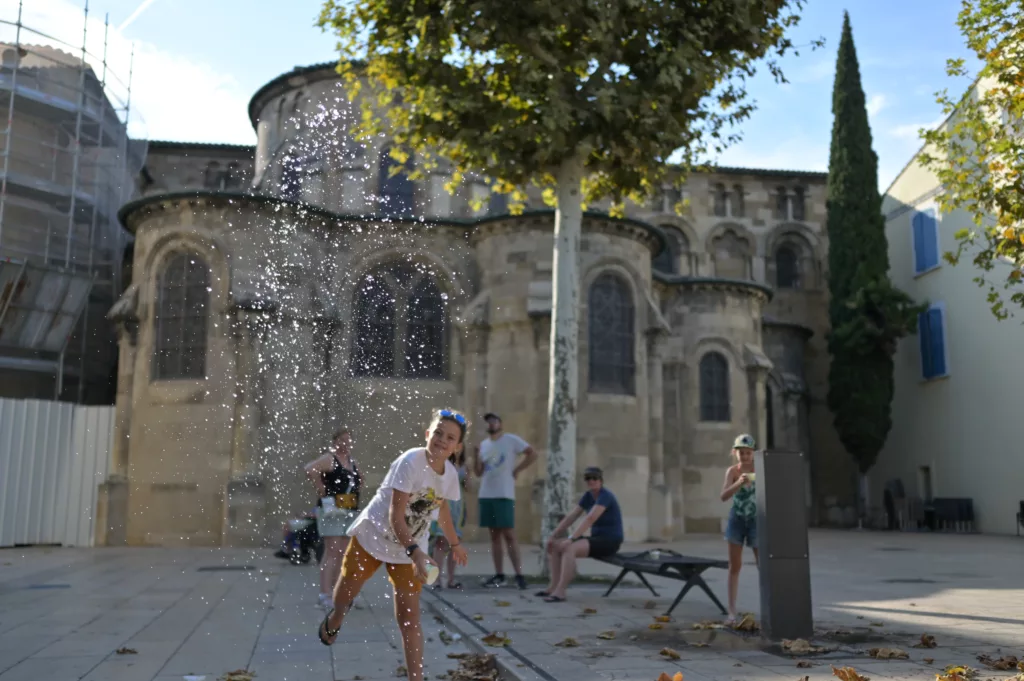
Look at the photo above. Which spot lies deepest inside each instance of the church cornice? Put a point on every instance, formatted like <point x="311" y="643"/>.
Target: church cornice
<point x="544" y="221"/>
<point x="741" y="286"/>
<point x="806" y="331"/>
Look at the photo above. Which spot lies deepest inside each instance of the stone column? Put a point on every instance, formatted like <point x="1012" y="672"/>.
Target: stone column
<point x="758" y="366"/>
<point x="112" y="498"/>
<point x="659" y="502"/>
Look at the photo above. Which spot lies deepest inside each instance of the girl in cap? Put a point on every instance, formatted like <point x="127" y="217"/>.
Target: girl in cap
<point x="742" y="525"/>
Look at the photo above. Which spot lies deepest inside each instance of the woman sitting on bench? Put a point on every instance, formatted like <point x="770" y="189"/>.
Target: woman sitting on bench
<point x="604" y="520"/>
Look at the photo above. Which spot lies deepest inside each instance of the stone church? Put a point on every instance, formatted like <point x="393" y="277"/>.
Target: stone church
<point x="282" y="291"/>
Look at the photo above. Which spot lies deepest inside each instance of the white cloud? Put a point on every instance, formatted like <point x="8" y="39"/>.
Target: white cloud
<point x="875" y="104"/>
<point x="793" y="154"/>
<point x="912" y="130"/>
<point x="173" y="96"/>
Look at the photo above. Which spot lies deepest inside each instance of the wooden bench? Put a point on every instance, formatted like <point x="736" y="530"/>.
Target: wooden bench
<point x="669" y="564"/>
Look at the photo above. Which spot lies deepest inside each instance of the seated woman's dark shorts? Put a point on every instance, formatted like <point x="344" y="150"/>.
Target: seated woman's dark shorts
<point x="602" y="547"/>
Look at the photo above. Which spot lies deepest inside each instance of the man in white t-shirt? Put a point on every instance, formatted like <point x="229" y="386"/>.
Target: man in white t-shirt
<point x="495" y="464"/>
<point x="393" y="531"/>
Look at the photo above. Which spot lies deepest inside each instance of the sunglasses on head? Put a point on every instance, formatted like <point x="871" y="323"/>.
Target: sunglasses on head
<point x="449" y="414"/>
<point x="588" y="478"/>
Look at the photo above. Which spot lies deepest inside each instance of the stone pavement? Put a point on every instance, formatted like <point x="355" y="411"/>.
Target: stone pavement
<point x="64" y="614"/>
<point x="870" y="590"/>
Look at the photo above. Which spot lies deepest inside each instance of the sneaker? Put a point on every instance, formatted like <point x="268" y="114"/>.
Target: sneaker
<point x="521" y="582"/>
<point x="495" y="582"/>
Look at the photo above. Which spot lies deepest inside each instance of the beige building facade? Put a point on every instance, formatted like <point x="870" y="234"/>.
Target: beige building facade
<point x="322" y="291"/>
<point x="954" y="433"/>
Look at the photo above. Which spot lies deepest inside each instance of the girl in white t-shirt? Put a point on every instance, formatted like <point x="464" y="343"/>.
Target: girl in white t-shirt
<point x="393" y="530"/>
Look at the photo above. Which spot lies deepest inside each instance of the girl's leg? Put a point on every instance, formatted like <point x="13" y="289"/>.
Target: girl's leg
<point x="451" y="570"/>
<point x="554" y="568"/>
<point x="407" y="614"/>
<point x="577" y="549"/>
<point x="735" y="563"/>
<point x="357" y="567"/>
<point x="440" y="546"/>
<point x="330" y="566"/>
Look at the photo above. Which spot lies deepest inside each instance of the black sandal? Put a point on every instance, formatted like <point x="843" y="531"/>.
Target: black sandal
<point x="455" y="585"/>
<point x="542" y="594"/>
<point x="325" y="629"/>
<point x="554" y="599"/>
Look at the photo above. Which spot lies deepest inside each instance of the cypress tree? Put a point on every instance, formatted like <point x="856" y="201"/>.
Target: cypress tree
<point x="867" y="315"/>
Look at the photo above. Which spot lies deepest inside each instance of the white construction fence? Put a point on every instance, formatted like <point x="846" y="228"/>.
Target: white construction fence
<point x="53" y="457"/>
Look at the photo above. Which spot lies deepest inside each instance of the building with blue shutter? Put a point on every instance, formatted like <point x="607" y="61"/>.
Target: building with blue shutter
<point x="955" y="432"/>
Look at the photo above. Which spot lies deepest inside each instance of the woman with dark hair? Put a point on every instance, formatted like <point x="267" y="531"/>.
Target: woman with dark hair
<point x="458" y="513"/>
<point x="337" y="481"/>
<point x="392" y="531"/>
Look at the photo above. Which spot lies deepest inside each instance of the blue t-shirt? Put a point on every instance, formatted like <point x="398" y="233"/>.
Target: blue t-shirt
<point x="609" y="525"/>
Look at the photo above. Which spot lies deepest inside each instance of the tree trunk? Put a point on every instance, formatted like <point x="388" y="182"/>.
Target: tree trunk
<point x="563" y="368"/>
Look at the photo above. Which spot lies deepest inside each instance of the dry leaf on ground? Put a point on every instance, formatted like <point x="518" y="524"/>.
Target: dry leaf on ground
<point x="748" y="623"/>
<point x="662" y="618"/>
<point x="445" y="637"/>
<point x="888" y="654"/>
<point x="929" y="660"/>
<point x="678" y="676"/>
<point x="669" y="653"/>
<point x="127" y="651"/>
<point x="568" y="643"/>
<point x="458" y="656"/>
<point x="478" y="617"/>
<point x="848" y="674"/>
<point x="607" y="635"/>
<point x="877" y="624"/>
<point x="238" y="675"/>
<point x="957" y="672"/>
<point x="502" y="604"/>
<point x="589" y="611"/>
<point x="804" y="664"/>
<point x="699" y="644"/>
<point x="798" y="647"/>
<point x="708" y="624"/>
<point x="650" y="605"/>
<point x="655" y="625"/>
<point x="496" y="639"/>
<point x="401" y="672"/>
<point x="475" y="668"/>
<point x="1004" y="663"/>
<point x="927" y="641"/>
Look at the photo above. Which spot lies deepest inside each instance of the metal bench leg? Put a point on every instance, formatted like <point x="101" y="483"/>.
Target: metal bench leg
<point x="646" y="583"/>
<point x="698" y="581"/>
<point x="618" y="579"/>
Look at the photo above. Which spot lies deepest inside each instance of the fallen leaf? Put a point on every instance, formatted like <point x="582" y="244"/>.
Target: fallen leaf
<point x="655" y="625"/>
<point x="699" y="644"/>
<point x="957" y="672"/>
<point x="568" y="643"/>
<point x="877" y="624"/>
<point x="599" y="653"/>
<point x="888" y="654"/>
<point x="708" y="624"/>
<point x="929" y="660"/>
<point x="804" y="664"/>
<point x="913" y="605"/>
<point x="798" y="647"/>
<point x="502" y="604"/>
<point x="669" y="653"/>
<point x="496" y="640"/>
<point x="650" y="605"/>
<point x="737" y="664"/>
<point x="848" y="674"/>
<point x="589" y="611"/>
<point x="678" y="676"/>
<point x="458" y="656"/>
<point x="127" y="651"/>
<point x="607" y="635"/>
<point x="662" y="618"/>
<point x="748" y="623"/>
<point x="478" y="617"/>
<point x="475" y="668"/>
<point x="927" y="641"/>
<point x="1004" y="663"/>
<point x="238" y="675"/>
<point x="438" y="619"/>
<point x="401" y="672"/>
<point x="445" y="637"/>
<point x="357" y="678"/>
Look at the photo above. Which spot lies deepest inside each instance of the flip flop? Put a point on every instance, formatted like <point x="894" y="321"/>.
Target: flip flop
<point x="542" y="594"/>
<point x="554" y="599"/>
<point x="325" y="629"/>
<point x="455" y="585"/>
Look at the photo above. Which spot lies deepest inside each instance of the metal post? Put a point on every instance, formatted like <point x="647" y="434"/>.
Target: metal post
<point x="77" y="141"/>
<point x="10" y="120"/>
<point x="783" y="558"/>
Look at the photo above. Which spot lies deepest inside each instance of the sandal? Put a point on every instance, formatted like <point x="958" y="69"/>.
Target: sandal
<point x="325" y="632"/>
<point x="542" y="594"/>
<point x="554" y="599"/>
<point x="455" y="585"/>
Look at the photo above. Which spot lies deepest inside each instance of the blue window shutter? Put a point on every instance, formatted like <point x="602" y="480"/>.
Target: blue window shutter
<point x="937" y="342"/>
<point x="924" y="338"/>
<point x="930" y="232"/>
<point x="918" y="225"/>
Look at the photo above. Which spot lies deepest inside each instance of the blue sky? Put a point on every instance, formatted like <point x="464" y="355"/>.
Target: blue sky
<point x="199" y="61"/>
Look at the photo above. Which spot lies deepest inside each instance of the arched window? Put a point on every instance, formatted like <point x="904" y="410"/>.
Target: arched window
<point x="180" y="319"/>
<point x="291" y="176"/>
<point x="232" y="177"/>
<point x="787" y="267"/>
<point x="738" y="206"/>
<point x="611" y="334"/>
<point x="781" y="204"/>
<point x="213" y="177"/>
<point x="799" y="204"/>
<point x="400" y="324"/>
<point x="720" y="200"/>
<point x="396" y="192"/>
<point x="677" y="247"/>
<point x="714" y="388"/>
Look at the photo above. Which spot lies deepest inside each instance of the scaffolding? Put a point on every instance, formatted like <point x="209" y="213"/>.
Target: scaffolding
<point x="68" y="164"/>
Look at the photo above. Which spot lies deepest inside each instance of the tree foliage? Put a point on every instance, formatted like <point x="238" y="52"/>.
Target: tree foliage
<point x="978" y="154"/>
<point x="868" y="315"/>
<point x="512" y="90"/>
